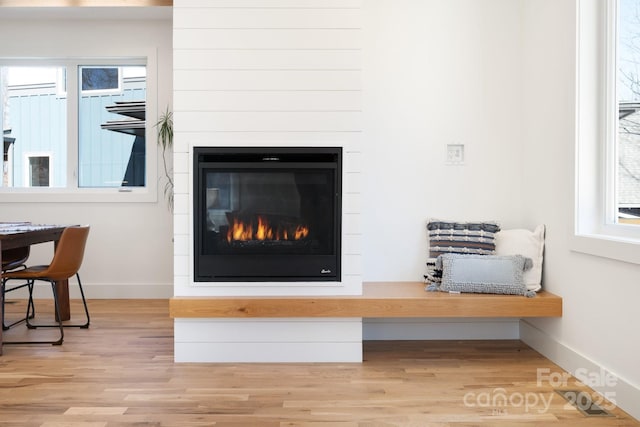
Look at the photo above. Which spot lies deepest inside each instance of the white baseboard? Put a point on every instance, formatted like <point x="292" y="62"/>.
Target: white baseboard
<point x="440" y="329"/>
<point x="625" y="394"/>
<point x="107" y="290"/>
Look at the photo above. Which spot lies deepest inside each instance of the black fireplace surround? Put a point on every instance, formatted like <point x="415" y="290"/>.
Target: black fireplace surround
<point x="266" y="214"/>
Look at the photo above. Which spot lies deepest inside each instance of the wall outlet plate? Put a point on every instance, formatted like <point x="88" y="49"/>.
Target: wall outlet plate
<point x="455" y="154"/>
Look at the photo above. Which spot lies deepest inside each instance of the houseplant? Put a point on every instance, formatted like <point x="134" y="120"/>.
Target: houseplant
<point x="165" y="140"/>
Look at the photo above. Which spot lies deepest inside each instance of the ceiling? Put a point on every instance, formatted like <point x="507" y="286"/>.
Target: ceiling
<point x="86" y="9"/>
<point x="85" y="3"/>
<point x="86" y="13"/>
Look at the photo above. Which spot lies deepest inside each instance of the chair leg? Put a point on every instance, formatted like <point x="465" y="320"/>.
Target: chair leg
<point x="2" y="301"/>
<point x="31" y="308"/>
<point x="57" y="312"/>
<point x="84" y="303"/>
<point x="84" y="325"/>
<point x="4" y="290"/>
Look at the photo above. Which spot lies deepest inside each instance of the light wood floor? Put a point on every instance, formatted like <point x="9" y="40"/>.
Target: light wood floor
<point x="120" y="372"/>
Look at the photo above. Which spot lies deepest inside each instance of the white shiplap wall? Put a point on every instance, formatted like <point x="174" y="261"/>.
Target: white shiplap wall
<point x="267" y="73"/>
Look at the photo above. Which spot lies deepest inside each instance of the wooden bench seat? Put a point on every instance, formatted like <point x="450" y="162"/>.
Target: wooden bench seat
<point x="379" y="299"/>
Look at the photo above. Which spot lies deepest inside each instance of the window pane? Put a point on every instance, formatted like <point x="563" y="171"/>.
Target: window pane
<point x="628" y="145"/>
<point x="38" y="171"/>
<point x="34" y="119"/>
<point x="112" y="132"/>
<point x="100" y="78"/>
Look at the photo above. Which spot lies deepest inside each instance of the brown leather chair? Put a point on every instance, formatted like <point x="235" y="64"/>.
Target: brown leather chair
<point x="65" y="264"/>
<point x="13" y="259"/>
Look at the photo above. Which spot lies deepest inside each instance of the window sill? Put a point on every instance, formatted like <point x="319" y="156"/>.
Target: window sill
<point x="612" y="247"/>
<point x="85" y="195"/>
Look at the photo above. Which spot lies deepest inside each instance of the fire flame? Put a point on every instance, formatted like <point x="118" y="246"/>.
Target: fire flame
<point x="262" y="230"/>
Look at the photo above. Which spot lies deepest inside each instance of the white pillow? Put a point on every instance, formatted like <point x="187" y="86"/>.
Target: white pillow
<point x="528" y="244"/>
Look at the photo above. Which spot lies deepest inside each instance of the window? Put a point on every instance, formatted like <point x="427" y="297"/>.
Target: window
<point x="111" y="127"/>
<point x="89" y="116"/>
<point x="103" y="79"/>
<point x="608" y="130"/>
<point x="34" y="116"/>
<point x="627" y="154"/>
<point x="38" y="170"/>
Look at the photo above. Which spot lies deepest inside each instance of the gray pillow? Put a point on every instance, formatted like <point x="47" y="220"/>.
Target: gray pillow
<point x="489" y="274"/>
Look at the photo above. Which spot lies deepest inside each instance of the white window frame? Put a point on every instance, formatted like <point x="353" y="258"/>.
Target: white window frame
<point x="596" y="231"/>
<point x="72" y="192"/>
<point x="61" y="90"/>
<point x="27" y="167"/>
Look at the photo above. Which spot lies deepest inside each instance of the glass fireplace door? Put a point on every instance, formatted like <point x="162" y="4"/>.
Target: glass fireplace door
<point x="266" y="216"/>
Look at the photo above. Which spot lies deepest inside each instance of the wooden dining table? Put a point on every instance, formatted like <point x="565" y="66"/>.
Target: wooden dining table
<point x="20" y="234"/>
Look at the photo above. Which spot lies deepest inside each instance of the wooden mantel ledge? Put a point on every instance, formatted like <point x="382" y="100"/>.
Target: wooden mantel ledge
<point x="379" y="299"/>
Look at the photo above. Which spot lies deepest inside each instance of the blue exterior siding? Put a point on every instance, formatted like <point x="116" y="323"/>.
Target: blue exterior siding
<point x="104" y="154"/>
<point x="38" y="122"/>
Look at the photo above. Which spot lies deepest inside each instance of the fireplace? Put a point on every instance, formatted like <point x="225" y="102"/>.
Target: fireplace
<point x="267" y="214"/>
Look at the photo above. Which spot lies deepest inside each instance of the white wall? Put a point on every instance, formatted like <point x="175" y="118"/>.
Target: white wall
<point x="600" y="296"/>
<point x="268" y="74"/>
<point x="130" y="251"/>
<point x="438" y="73"/>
